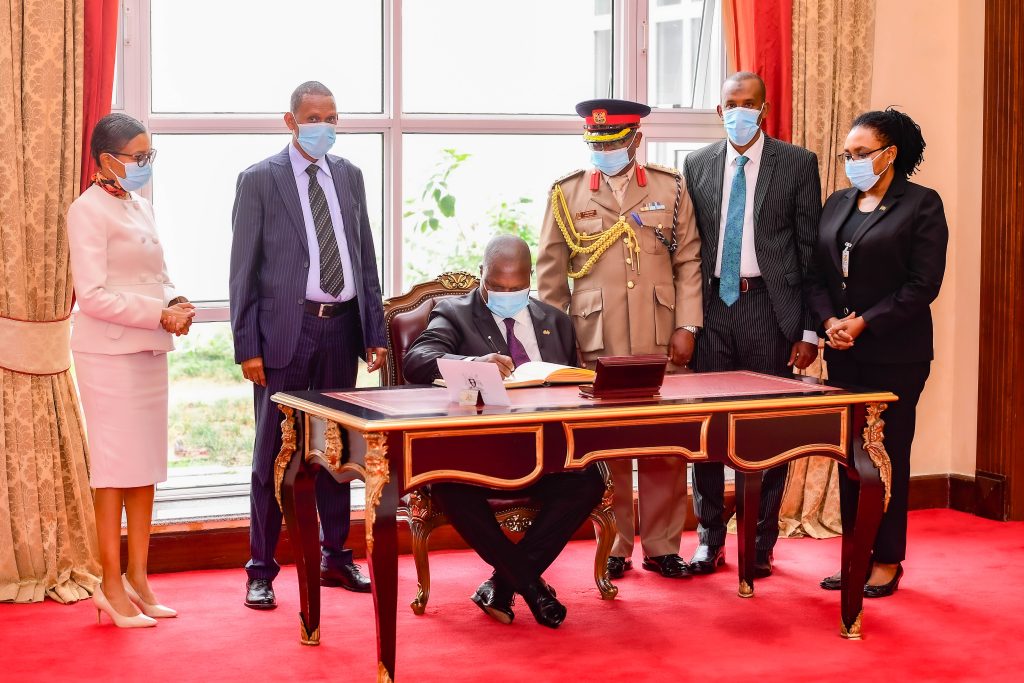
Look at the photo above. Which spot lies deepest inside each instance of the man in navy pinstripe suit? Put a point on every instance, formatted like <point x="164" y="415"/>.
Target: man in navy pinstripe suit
<point x="757" y="201"/>
<point x="305" y="305"/>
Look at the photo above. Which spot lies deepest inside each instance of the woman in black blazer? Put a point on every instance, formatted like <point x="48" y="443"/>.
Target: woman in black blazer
<point x="880" y="257"/>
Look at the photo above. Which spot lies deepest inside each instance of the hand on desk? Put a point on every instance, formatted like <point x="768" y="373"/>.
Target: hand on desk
<point x="504" y="363"/>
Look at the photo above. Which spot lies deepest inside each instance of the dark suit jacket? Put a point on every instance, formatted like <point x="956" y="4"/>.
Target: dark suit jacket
<point x="897" y="262"/>
<point x="463" y="326"/>
<point x="787" y="206"/>
<point x="270" y="259"/>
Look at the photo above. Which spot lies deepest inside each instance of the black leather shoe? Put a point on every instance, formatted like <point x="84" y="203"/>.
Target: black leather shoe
<point x="670" y="566"/>
<point x="495" y="598"/>
<point x="763" y="563"/>
<point x="707" y="558"/>
<point x="545" y="607"/>
<point x="348" y="576"/>
<point x="886" y="589"/>
<point x="832" y="583"/>
<point x="617" y="566"/>
<point x="259" y="594"/>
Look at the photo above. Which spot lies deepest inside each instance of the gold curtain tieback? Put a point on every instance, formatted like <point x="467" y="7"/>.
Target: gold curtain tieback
<point x="35" y="347"/>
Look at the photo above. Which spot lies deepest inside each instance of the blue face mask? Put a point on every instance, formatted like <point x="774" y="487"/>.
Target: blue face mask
<point x="316" y="139"/>
<point x="741" y="124"/>
<point x="507" y="304"/>
<point x="135" y="177"/>
<point x="610" y="162"/>
<point x="861" y="172"/>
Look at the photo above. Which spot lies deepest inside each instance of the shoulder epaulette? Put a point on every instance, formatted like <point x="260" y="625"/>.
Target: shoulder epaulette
<point x="663" y="169"/>
<point x="567" y="176"/>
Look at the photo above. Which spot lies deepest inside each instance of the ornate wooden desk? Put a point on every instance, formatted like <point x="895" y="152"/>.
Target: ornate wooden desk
<point x="400" y="438"/>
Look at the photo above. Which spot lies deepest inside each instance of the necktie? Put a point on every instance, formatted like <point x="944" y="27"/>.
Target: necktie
<point x="515" y="347"/>
<point x="332" y="279"/>
<point x="732" y="245"/>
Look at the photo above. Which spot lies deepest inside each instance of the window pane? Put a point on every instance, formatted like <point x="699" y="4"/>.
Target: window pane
<point x="686" y="53"/>
<point x="672" y="153"/>
<point x="194" y="189"/>
<point x="498" y="183"/>
<point x="528" y="57"/>
<point x="248" y="55"/>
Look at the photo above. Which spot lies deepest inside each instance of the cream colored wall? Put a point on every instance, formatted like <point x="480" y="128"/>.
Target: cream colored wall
<point x="929" y="60"/>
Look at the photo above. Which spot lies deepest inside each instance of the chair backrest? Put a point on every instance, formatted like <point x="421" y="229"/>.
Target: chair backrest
<point x="406" y="315"/>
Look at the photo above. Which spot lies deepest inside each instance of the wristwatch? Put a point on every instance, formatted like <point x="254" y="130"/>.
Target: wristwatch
<point x="692" y="329"/>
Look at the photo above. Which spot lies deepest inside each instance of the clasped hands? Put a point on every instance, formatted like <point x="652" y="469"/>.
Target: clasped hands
<point x="842" y="332"/>
<point x="177" y="319"/>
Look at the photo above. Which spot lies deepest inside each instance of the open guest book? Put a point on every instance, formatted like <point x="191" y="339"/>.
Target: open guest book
<point x="539" y="373"/>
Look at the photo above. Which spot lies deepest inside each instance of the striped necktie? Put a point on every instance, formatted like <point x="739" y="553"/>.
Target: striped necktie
<point x="332" y="278"/>
<point x="732" y="245"/>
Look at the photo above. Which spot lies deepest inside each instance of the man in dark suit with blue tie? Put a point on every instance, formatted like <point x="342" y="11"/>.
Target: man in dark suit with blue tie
<point x="305" y="306"/>
<point x="757" y="201"/>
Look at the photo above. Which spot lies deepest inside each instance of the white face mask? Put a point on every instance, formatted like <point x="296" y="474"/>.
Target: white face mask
<point x="861" y="172"/>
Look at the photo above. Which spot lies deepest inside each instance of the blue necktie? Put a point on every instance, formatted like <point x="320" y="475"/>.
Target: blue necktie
<point x="732" y="245"/>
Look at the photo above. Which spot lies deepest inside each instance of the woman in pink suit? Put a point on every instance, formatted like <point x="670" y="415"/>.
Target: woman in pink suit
<point x="122" y="332"/>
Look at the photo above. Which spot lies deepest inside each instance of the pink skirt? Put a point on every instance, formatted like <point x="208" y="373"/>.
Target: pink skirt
<point x="124" y="399"/>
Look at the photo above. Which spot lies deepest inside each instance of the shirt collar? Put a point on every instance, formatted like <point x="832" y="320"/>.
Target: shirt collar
<point x="301" y="163"/>
<point x="753" y="154"/>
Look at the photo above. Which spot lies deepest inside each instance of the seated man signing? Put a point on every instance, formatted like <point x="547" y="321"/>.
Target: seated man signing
<point x="499" y="323"/>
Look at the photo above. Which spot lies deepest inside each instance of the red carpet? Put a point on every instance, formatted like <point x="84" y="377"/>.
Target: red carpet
<point x="958" y="616"/>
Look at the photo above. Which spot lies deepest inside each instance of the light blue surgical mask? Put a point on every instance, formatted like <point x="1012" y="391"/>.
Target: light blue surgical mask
<point x="507" y="304"/>
<point x="135" y="177"/>
<point x="610" y="162"/>
<point x="861" y="172"/>
<point x="741" y="124"/>
<point x="316" y="139"/>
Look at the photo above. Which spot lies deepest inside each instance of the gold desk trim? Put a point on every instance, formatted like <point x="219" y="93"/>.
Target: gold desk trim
<point x="572" y="427"/>
<point x="479" y="479"/>
<point x="838" y="450"/>
<point x="392" y="423"/>
<point x="376" y="476"/>
<point x="874" y="437"/>
<point x="289" y="442"/>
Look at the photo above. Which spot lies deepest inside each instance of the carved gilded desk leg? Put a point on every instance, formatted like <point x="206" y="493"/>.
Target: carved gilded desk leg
<point x="603" y="518"/>
<point x="295" y="481"/>
<point x="873" y="472"/>
<point x="382" y="547"/>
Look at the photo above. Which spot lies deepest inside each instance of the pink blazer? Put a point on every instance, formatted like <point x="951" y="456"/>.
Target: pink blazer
<point x="120" y="279"/>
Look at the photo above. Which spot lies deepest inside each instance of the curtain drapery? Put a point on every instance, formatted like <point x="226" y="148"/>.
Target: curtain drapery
<point x="100" y="32"/>
<point x="47" y="537"/>
<point x="758" y="37"/>
<point x="833" y="51"/>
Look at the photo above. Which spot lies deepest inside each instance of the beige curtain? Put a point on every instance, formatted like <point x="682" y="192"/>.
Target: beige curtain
<point x="47" y="540"/>
<point x="833" y="51"/>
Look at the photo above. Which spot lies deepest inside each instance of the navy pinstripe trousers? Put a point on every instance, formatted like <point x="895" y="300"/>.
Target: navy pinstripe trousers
<point x="326" y="357"/>
<point x="744" y="336"/>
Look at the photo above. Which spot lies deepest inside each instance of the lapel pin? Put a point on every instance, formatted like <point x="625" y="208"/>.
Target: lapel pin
<point x="881" y="208"/>
<point x="545" y="331"/>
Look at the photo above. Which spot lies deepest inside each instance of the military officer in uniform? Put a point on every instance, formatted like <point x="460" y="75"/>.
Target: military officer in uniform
<point x="624" y="236"/>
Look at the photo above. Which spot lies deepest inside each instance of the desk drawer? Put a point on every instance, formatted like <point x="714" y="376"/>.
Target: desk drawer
<point x="499" y="457"/>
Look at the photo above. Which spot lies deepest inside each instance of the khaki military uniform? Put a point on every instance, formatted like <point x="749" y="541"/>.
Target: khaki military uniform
<point x="629" y="302"/>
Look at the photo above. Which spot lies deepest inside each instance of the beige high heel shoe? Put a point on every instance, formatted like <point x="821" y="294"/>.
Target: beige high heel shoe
<point x="152" y="611"/>
<point x="120" y="620"/>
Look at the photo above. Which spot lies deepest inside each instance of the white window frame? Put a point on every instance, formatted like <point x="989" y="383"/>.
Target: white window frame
<point x="629" y="74"/>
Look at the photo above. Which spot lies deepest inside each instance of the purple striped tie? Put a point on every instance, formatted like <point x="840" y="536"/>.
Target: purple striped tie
<point x="515" y="347"/>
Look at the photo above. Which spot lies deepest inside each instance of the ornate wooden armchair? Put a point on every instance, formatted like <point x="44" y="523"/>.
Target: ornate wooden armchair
<point x="405" y="317"/>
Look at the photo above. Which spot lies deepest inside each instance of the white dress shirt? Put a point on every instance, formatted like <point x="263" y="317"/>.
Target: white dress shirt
<point x="748" y="254"/>
<point x="323" y="176"/>
<point x="524" y="330"/>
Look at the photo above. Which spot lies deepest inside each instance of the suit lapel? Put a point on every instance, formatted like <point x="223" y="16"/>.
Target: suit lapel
<point x="485" y="325"/>
<point x="542" y="328"/>
<point x="284" y="178"/>
<point x="892" y="196"/>
<point x="830" y="231"/>
<point x="764" y="176"/>
<point x="713" y="197"/>
<point x="350" y="209"/>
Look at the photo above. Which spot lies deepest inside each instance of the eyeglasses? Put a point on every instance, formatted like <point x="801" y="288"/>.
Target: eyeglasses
<point x="142" y="158"/>
<point x="860" y="156"/>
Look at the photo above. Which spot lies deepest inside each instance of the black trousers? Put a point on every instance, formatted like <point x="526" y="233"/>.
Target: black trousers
<point x="906" y="380"/>
<point x="326" y="358"/>
<point x="566" y="500"/>
<point x="744" y="336"/>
